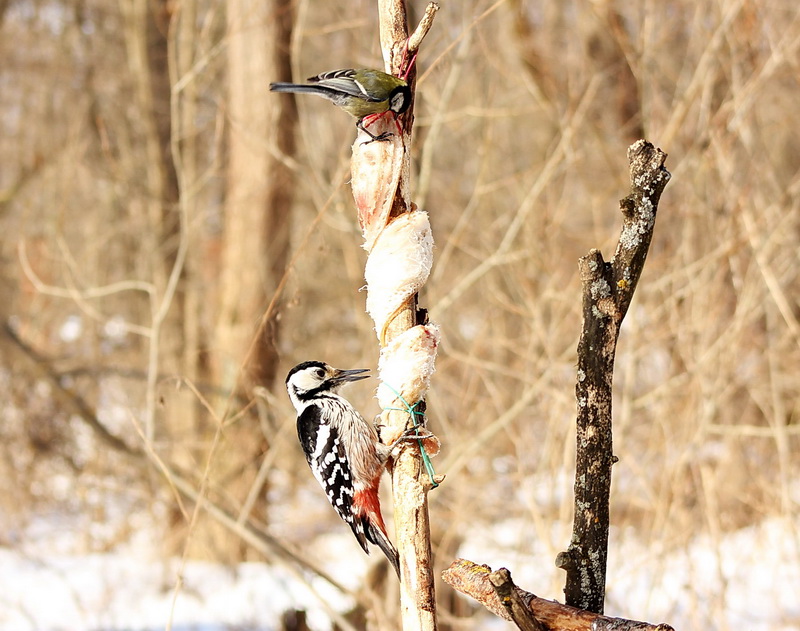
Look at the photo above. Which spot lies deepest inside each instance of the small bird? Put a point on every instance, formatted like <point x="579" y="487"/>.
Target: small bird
<point x="342" y="449"/>
<point x="366" y="94"/>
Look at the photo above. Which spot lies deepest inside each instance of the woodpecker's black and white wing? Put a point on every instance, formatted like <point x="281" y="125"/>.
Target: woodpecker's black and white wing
<point x="328" y="460"/>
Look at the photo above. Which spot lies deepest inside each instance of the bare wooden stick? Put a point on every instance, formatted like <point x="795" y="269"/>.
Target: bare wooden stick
<point x="410" y="485"/>
<point x="395" y="41"/>
<point x="478" y="582"/>
<point x="423" y="27"/>
<point x="607" y="293"/>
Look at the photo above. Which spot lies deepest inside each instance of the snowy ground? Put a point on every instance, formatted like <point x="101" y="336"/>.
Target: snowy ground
<point x="751" y="580"/>
<point x="123" y="592"/>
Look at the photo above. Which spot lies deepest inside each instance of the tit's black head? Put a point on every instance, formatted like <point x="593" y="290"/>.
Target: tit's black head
<point x="400" y="99"/>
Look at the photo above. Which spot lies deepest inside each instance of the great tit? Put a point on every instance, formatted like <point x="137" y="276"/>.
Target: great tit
<point x="366" y="94"/>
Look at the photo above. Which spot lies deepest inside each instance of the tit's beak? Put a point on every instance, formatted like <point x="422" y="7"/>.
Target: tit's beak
<point x="345" y="376"/>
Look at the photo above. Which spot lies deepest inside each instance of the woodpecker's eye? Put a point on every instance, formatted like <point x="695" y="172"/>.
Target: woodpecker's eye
<point x="320" y="373"/>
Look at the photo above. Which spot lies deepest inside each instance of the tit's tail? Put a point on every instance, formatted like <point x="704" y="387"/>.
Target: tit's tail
<point x="300" y="87"/>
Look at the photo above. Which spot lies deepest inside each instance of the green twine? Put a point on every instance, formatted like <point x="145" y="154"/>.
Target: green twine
<point x="409" y="409"/>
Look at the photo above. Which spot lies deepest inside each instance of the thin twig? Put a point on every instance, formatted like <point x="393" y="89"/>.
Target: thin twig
<point x="264" y="543"/>
<point x="451" y="45"/>
<point x="80" y="296"/>
<point x="554" y="163"/>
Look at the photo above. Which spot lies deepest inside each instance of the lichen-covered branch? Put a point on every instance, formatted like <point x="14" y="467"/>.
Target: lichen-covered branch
<point x="479" y="582"/>
<point x="607" y="292"/>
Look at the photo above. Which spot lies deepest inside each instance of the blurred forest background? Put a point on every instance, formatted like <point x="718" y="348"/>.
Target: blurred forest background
<point x="177" y="238"/>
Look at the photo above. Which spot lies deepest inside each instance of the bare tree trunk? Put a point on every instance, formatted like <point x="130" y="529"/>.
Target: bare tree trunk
<point x="256" y="229"/>
<point x="147" y="58"/>
<point x="259" y="191"/>
<point x="175" y="340"/>
<point x="185" y="152"/>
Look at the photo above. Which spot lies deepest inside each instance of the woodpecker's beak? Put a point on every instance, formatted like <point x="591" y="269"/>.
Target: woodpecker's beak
<point x="344" y="376"/>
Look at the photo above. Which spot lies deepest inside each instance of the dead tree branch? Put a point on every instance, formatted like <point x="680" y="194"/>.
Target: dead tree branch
<point x="607" y="293"/>
<point x="513" y="600"/>
<point x="480" y="583"/>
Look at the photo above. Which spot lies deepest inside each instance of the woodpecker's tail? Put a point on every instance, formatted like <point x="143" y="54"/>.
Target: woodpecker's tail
<point x="379" y="538"/>
<point x="368" y="525"/>
<point x="367" y="531"/>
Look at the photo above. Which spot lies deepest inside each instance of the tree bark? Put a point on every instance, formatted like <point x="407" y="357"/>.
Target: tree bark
<point x="147" y="26"/>
<point x="607" y="293"/>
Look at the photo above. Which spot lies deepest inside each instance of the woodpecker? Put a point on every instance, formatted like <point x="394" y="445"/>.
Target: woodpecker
<point x="342" y="449"/>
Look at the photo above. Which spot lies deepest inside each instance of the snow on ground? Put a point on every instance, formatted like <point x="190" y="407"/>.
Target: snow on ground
<point x="115" y="591"/>
<point x="749" y="580"/>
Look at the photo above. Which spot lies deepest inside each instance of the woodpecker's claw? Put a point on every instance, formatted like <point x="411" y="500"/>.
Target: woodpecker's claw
<point x="416" y="433"/>
<point x="420" y="435"/>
